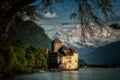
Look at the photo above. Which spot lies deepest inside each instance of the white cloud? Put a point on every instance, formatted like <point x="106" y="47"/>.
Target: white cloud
<point x="50" y="15"/>
<point x="71" y="34"/>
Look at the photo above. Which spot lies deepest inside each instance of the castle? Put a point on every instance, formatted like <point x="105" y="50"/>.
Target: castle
<point x="61" y="57"/>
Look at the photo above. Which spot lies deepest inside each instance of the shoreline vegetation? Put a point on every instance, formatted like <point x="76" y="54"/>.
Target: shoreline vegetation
<point x="57" y="70"/>
<point x="106" y="66"/>
<point x="15" y="58"/>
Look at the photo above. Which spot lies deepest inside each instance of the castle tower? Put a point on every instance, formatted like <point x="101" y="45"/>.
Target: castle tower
<point x="46" y="51"/>
<point x="56" y="45"/>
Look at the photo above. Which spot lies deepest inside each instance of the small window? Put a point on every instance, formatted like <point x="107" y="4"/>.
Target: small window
<point x="69" y="61"/>
<point x="70" y="58"/>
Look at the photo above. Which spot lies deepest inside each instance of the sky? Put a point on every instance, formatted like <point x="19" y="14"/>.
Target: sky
<point x="60" y="12"/>
<point x="70" y="34"/>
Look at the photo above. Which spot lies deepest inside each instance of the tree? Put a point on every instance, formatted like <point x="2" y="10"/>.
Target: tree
<point x="87" y="12"/>
<point x="36" y="58"/>
<point x="9" y="10"/>
<point x="40" y="60"/>
<point x="13" y="57"/>
<point x="18" y="56"/>
<point x="30" y="56"/>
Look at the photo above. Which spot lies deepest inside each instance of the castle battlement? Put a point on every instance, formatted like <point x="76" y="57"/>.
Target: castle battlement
<point x="62" y="57"/>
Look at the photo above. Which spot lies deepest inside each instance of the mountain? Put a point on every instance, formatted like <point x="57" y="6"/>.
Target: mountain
<point x="109" y="54"/>
<point x="98" y="49"/>
<point x="101" y="48"/>
<point x="71" y="34"/>
<point x="30" y="34"/>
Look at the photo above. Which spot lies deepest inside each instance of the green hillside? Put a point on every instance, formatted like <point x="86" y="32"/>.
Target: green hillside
<point x="30" y="33"/>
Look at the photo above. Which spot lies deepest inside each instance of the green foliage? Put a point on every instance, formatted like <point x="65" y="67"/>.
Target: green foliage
<point x="30" y="56"/>
<point x="30" y="34"/>
<point x="17" y="58"/>
<point x="41" y="57"/>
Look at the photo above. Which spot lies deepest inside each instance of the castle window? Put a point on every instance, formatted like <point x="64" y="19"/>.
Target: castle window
<point x="69" y="61"/>
<point x="70" y="57"/>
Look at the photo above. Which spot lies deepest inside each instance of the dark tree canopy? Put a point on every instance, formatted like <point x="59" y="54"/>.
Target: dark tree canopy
<point x="8" y="11"/>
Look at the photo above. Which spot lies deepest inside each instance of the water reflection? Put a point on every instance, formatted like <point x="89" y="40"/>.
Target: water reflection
<point x="65" y="75"/>
<point x="82" y="74"/>
<point x="99" y="74"/>
<point x="68" y="75"/>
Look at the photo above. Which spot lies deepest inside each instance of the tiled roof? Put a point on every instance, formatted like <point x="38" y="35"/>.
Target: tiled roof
<point x="64" y="47"/>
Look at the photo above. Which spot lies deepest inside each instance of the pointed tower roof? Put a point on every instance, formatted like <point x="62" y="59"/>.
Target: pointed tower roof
<point x="56" y="41"/>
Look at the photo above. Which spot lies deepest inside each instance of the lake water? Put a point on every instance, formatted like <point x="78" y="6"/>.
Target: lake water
<point x="82" y="74"/>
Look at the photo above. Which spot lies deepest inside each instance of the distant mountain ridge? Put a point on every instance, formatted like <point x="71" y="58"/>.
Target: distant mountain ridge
<point x="30" y="33"/>
<point x="109" y="54"/>
<point x="71" y="34"/>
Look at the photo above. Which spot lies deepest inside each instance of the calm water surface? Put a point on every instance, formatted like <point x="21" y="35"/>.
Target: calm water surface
<point x="82" y="74"/>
